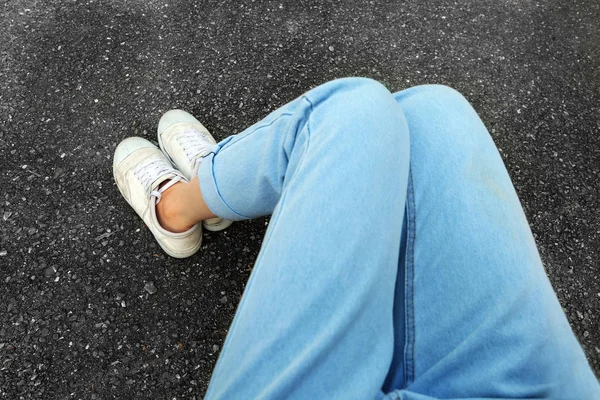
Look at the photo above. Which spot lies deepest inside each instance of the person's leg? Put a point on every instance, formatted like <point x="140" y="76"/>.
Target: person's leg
<point x="182" y="206"/>
<point x="475" y="316"/>
<point x="315" y="320"/>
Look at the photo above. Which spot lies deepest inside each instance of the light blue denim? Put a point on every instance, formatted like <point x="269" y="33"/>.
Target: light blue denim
<point x="398" y="262"/>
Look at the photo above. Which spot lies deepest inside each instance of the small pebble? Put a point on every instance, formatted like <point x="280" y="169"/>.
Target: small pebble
<point x="150" y="288"/>
<point x="49" y="272"/>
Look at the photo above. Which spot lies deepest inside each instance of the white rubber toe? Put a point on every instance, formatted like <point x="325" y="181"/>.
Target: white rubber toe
<point x="174" y="117"/>
<point x="128" y="146"/>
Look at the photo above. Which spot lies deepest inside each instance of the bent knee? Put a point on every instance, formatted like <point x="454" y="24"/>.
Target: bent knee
<point x="433" y="93"/>
<point x="357" y="109"/>
<point x="442" y="109"/>
<point x="354" y="99"/>
<point x="355" y="92"/>
<point x="445" y="129"/>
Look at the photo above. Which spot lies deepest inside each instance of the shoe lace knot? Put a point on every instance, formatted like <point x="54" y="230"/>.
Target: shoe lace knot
<point x="148" y="171"/>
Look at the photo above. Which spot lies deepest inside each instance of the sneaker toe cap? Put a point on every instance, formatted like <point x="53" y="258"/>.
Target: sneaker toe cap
<point x="127" y="147"/>
<point x="174" y="117"/>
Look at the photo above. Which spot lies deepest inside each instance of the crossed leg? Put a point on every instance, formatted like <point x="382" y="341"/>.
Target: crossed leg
<point x="398" y="262"/>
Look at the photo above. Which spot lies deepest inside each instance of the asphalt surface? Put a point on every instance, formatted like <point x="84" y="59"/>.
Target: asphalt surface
<point x="77" y="319"/>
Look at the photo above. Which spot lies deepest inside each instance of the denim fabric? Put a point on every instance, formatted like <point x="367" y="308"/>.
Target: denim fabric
<point x="398" y="262"/>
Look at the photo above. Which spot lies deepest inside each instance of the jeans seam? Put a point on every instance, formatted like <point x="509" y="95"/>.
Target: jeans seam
<point x="247" y="134"/>
<point x="226" y="146"/>
<point x="212" y="169"/>
<point x="264" y="245"/>
<point x="412" y="266"/>
<point x="410" y="286"/>
<point x="284" y="192"/>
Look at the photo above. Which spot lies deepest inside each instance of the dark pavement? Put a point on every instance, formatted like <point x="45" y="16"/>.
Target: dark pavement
<point x="76" y="77"/>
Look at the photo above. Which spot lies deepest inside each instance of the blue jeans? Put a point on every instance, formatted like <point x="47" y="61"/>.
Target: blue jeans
<point x="398" y="262"/>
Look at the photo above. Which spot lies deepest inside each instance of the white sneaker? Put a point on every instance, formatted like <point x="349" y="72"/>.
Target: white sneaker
<point x="139" y="168"/>
<point x="185" y="141"/>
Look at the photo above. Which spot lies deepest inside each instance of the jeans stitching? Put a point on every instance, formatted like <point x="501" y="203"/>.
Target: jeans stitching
<point x="258" y="259"/>
<point x="284" y="192"/>
<point x="225" y="147"/>
<point x="243" y="135"/>
<point x="412" y="266"/>
<point x="410" y="293"/>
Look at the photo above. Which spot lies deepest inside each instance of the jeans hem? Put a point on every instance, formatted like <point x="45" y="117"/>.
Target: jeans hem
<point x="210" y="191"/>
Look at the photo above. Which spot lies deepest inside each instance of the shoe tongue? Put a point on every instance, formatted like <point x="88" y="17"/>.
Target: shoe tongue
<point x="162" y="178"/>
<point x="201" y="141"/>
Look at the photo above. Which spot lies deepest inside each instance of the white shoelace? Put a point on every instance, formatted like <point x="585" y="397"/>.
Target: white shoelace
<point x="193" y="143"/>
<point x="148" y="171"/>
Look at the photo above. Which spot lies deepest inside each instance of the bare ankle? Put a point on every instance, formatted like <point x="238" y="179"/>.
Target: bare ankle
<point x="168" y="210"/>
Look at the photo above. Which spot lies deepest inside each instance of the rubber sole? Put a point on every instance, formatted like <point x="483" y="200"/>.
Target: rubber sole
<point x="224" y="224"/>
